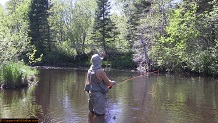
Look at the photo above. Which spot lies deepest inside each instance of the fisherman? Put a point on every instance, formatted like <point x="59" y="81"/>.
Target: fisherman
<point x="97" y="85"/>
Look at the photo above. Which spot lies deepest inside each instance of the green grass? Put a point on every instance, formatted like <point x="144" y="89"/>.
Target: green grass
<point x="14" y="75"/>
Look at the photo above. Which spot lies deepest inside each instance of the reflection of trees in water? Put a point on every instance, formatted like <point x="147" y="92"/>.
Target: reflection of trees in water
<point x="42" y="94"/>
<point x="17" y="103"/>
<point x="167" y="98"/>
<point x="59" y="95"/>
<point x="188" y="98"/>
<point x="134" y="100"/>
<point x="145" y="92"/>
<point x="60" y="92"/>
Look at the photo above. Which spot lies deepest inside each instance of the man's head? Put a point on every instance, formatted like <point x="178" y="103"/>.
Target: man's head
<point x="96" y="60"/>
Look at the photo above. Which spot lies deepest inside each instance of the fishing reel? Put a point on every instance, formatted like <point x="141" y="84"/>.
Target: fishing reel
<point x="109" y="87"/>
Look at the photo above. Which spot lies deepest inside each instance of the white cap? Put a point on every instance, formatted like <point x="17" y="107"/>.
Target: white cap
<point x="96" y="61"/>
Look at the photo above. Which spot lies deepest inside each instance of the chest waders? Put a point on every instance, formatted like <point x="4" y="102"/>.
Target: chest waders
<point x="97" y="95"/>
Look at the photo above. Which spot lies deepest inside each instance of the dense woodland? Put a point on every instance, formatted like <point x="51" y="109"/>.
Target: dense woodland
<point x="169" y="35"/>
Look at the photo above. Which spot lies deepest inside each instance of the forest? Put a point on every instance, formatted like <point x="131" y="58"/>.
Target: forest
<point x="168" y="35"/>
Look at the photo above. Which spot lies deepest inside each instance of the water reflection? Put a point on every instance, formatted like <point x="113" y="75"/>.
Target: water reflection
<point x="18" y="103"/>
<point x="59" y="97"/>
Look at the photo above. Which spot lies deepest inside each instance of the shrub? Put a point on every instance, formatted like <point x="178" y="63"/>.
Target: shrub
<point x="16" y="75"/>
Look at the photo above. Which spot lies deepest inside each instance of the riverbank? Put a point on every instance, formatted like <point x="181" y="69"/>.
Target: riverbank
<point x="134" y="69"/>
<point x="121" y="61"/>
<point x="17" y="75"/>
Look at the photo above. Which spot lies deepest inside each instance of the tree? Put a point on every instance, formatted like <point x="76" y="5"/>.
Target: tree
<point x="104" y="29"/>
<point x="71" y="23"/>
<point x="203" y="5"/>
<point x="57" y="23"/>
<point x="135" y="11"/>
<point x="39" y="26"/>
<point x="82" y="24"/>
<point x="178" y="42"/>
<point x="15" y="42"/>
<point x="190" y="41"/>
<point x="152" y="20"/>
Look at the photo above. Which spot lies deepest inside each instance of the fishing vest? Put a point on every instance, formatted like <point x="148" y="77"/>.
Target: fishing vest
<point x="96" y="84"/>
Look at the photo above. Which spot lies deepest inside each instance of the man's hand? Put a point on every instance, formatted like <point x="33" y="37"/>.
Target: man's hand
<point x="114" y="83"/>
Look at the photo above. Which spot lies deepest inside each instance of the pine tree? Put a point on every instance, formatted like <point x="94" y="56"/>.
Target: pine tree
<point x="134" y="12"/>
<point x="104" y="30"/>
<point x="39" y="27"/>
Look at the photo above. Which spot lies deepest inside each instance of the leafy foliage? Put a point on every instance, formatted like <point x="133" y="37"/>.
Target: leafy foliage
<point x="71" y="25"/>
<point x="188" y="43"/>
<point x="14" y="32"/>
<point x="180" y="33"/>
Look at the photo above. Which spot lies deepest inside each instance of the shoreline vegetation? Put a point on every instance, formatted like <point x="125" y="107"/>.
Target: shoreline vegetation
<point x="120" y="62"/>
<point x="143" y="37"/>
<point x="16" y="75"/>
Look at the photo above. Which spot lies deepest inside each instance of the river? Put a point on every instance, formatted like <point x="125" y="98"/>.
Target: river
<point x="151" y="98"/>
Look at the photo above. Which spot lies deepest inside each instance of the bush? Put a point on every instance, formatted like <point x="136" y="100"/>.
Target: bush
<point x="204" y="62"/>
<point x="16" y="75"/>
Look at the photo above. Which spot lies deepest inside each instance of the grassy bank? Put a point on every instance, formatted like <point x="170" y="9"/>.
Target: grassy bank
<point x="13" y="75"/>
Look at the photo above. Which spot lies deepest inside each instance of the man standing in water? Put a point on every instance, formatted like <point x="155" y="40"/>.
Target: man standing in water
<point x="97" y="84"/>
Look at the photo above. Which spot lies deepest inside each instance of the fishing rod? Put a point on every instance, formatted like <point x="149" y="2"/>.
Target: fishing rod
<point x="124" y="81"/>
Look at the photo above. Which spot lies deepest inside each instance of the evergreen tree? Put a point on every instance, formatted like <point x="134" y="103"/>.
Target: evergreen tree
<point x="39" y="27"/>
<point x="104" y="30"/>
<point x="134" y="11"/>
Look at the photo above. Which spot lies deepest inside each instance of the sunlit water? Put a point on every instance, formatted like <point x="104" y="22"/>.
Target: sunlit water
<point x="59" y="98"/>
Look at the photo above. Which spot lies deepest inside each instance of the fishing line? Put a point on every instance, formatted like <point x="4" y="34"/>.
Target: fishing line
<point x="153" y="91"/>
<point x="123" y="82"/>
<point x="146" y="73"/>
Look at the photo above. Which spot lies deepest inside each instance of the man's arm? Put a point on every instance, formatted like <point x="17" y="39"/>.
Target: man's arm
<point x="102" y="76"/>
<point x="88" y="81"/>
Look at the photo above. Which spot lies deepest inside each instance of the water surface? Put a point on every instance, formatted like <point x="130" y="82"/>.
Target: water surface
<point x="152" y="98"/>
